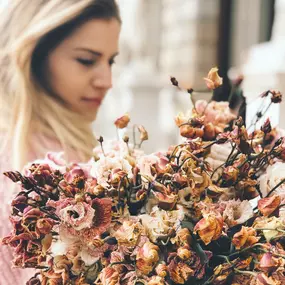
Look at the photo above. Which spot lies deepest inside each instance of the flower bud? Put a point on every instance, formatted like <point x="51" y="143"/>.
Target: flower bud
<point x="122" y="122"/>
<point x="276" y="96"/>
<point x="213" y="80"/>
<point x="143" y="132"/>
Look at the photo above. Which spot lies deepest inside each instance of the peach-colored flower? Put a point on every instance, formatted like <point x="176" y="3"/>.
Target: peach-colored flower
<point x="210" y="227"/>
<point x="122" y="122"/>
<point x="268" y="205"/>
<point x="245" y="237"/>
<point x="217" y="113"/>
<point x="213" y="80"/>
<point x="147" y="257"/>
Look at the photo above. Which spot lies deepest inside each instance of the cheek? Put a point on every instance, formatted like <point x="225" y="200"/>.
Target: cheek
<point x="66" y="80"/>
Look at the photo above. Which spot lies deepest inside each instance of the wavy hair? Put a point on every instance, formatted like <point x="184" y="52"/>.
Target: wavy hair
<point x="29" y="30"/>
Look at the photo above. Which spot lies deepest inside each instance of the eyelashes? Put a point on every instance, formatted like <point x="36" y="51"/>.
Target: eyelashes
<point x="89" y="62"/>
<point x="86" y="62"/>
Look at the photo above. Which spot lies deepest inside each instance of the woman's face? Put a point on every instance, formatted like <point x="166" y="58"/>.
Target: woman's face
<point x="79" y="70"/>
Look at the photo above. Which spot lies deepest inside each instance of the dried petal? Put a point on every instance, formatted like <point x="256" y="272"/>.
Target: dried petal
<point x="268" y="205"/>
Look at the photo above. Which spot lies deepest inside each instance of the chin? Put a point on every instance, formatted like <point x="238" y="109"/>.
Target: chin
<point x="90" y="116"/>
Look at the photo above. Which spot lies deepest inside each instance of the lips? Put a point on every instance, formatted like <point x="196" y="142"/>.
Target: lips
<point x="92" y="100"/>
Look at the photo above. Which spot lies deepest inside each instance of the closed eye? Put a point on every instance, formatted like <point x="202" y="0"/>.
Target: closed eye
<point x="85" y="62"/>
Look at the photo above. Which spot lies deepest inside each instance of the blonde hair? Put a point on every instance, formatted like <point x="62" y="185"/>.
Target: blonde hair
<point x="26" y="107"/>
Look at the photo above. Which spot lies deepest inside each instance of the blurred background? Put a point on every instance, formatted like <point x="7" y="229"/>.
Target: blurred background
<point x="185" y="38"/>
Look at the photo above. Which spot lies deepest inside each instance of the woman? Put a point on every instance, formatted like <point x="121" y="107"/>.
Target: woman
<point x="56" y="58"/>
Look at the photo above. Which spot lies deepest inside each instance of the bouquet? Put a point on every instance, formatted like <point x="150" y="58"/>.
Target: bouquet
<point x="207" y="211"/>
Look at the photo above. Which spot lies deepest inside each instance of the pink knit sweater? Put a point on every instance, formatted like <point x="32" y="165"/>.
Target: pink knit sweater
<point x="9" y="275"/>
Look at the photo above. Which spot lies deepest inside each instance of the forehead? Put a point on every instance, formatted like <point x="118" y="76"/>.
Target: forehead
<point x="99" y="34"/>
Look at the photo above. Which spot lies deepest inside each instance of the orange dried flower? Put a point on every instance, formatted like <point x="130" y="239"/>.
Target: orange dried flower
<point x="122" y="122"/>
<point x="245" y="237"/>
<point x="210" y="227"/>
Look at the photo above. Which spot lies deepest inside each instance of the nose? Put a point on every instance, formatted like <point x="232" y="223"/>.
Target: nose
<point x="102" y="78"/>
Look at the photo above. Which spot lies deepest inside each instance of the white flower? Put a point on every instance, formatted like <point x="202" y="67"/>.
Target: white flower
<point x="236" y="212"/>
<point x="159" y="222"/>
<point x="145" y="163"/>
<point x="274" y="174"/>
<point x="219" y="154"/>
<point x="102" y="168"/>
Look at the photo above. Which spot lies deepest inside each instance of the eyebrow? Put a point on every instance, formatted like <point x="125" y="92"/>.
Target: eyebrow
<point x="97" y="53"/>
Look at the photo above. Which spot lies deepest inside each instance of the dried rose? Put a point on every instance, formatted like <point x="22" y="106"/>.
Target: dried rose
<point x="122" y="122"/>
<point x="268" y="205"/>
<point x="213" y="80"/>
<point x="245" y="237"/>
<point x="147" y="257"/>
<point x="210" y="227"/>
<point x="179" y="272"/>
